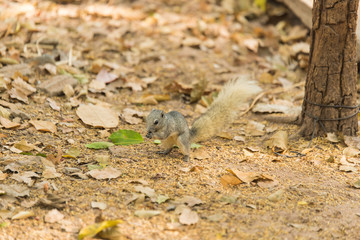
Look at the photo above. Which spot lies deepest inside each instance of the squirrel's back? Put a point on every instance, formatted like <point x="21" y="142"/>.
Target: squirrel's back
<point x="224" y="108"/>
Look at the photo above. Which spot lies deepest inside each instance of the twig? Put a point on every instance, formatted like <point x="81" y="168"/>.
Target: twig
<point x="275" y="91"/>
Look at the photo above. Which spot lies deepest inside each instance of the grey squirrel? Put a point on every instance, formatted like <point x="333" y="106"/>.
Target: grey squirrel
<point x="173" y="129"/>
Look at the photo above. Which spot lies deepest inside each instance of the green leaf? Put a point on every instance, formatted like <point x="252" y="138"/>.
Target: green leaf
<point x="126" y="137"/>
<point x="93" y="166"/>
<point x="99" y="145"/>
<point x="162" y="198"/>
<point x="157" y="141"/>
<point x="82" y="79"/>
<point x="195" y="145"/>
<point x="94" y="229"/>
<point x="261" y="4"/>
<point x="26" y="153"/>
<point x="41" y="154"/>
<point x="4" y="224"/>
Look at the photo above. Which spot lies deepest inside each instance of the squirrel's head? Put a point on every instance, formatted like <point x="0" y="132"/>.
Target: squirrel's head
<point x="155" y="121"/>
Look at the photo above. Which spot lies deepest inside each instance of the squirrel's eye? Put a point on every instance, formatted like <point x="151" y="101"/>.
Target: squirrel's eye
<point x="156" y="122"/>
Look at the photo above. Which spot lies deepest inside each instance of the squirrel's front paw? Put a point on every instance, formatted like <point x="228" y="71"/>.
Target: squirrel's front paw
<point x="165" y="152"/>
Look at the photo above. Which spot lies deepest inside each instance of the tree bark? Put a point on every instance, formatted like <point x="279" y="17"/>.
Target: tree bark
<point x="331" y="77"/>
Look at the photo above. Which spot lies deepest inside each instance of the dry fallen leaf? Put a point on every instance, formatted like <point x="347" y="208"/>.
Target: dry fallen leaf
<point x="278" y="141"/>
<point x="248" y="177"/>
<point x="105" y="173"/>
<point x="98" y="116"/>
<point x="53" y="216"/>
<point x="23" y="215"/>
<point x="190" y="201"/>
<point x="188" y="217"/>
<point x="147" y="191"/>
<point x="351" y="151"/>
<point x="229" y="180"/>
<point x="6" y="123"/>
<point x="132" y="116"/>
<point x="44" y="126"/>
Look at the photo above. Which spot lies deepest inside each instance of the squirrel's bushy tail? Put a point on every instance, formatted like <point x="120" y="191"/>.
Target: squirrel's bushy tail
<point x="224" y="108"/>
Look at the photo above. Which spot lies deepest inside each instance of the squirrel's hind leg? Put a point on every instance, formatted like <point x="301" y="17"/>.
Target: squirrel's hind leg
<point x="183" y="142"/>
<point x="168" y="145"/>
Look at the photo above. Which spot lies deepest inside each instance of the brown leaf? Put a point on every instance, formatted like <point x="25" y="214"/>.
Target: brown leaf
<point x="356" y="183"/>
<point x="98" y="116"/>
<point x="53" y="216"/>
<point x="44" y="126"/>
<point x="53" y="104"/>
<point x="278" y="141"/>
<point x="3" y="176"/>
<point x="201" y="153"/>
<point x="55" y="85"/>
<point x="229" y="180"/>
<point x="105" y="173"/>
<point x="190" y="201"/>
<point x="25" y="177"/>
<point x="24" y="146"/>
<point x="50" y="172"/>
<point x="248" y="177"/>
<point x="132" y="116"/>
<point x="188" y="217"/>
<point x="351" y="151"/>
<point x="352" y="141"/>
<point x="147" y="191"/>
<point x="8" y="124"/>
<point x="105" y="77"/>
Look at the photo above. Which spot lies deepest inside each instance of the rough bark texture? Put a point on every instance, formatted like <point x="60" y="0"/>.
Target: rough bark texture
<point x="331" y="77"/>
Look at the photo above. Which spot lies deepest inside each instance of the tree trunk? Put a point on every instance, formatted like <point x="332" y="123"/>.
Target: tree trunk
<point x="330" y="89"/>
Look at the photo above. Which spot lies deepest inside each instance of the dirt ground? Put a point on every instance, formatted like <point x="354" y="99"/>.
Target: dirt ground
<point x="161" y="52"/>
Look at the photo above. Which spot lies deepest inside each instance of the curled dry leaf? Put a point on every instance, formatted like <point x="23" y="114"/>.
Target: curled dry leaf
<point x="55" y="85"/>
<point x="248" y="177"/>
<point x="25" y="177"/>
<point x="15" y="190"/>
<point x="332" y="137"/>
<point x="53" y="104"/>
<point x="147" y="191"/>
<point x="278" y="141"/>
<point x="21" y="90"/>
<point x="23" y="215"/>
<point x="132" y="116"/>
<point x="146" y="213"/>
<point x="6" y="123"/>
<point x="229" y="180"/>
<point x="44" y="126"/>
<point x="255" y="129"/>
<point x="98" y="116"/>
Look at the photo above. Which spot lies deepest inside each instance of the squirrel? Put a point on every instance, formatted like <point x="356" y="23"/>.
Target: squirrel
<point x="172" y="127"/>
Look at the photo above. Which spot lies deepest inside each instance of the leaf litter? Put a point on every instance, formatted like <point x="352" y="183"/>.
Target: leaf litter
<point x="136" y="56"/>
